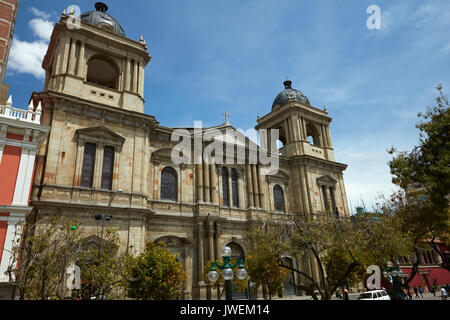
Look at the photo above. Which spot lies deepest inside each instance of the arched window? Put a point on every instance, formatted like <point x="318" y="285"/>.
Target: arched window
<point x="103" y="71"/>
<point x="169" y="185"/>
<point x="225" y="187"/>
<point x="234" y="188"/>
<point x="313" y="135"/>
<point x="278" y="198"/>
<point x="237" y="253"/>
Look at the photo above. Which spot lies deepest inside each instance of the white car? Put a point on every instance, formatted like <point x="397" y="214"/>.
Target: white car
<point x="374" y="295"/>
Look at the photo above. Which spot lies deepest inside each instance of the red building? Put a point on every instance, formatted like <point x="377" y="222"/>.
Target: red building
<point x="20" y="137"/>
<point x="430" y="271"/>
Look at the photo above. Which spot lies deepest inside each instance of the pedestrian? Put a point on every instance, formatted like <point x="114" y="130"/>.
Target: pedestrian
<point x="443" y="293"/>
<point x="409" y="294"/>
<point x="416" y="292"/>
<point x="404" y="295"/>
<point x="421" y="291"/>
<point x="433" y="290"/>
<point x="346" y="294"/>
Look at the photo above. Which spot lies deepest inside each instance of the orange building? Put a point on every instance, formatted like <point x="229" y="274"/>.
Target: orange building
<point x="20" y="137"/>
<point x="8" y="13"/>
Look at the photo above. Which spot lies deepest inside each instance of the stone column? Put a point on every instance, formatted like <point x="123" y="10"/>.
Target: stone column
<point x="249" y="186"/>
<point x="199" y="183"/>
<point x="206" y="183"/>
<point x="200" y="252"/>
<point x="214" y="186"/>
<point x="261" y="188"/>
<point x="127" y="77"/>
<point x="141" y="79"/>
<point x="255" y="186"/>
<point x="72" y="57"/>
<point x="210" y="240"/>
<point x="135" y="77"/>
<point x="81" y="61"/>
<point x="116" y="171"/>
<point x="98" y="165"/>
<point x="65" y="55"/>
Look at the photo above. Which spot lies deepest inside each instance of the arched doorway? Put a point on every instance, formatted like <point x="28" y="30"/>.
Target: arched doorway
<point x="289" y="288"/>
<point x="237" y="253"/>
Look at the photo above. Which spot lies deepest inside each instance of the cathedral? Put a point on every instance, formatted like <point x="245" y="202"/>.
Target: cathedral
<point x="105" y="156"/>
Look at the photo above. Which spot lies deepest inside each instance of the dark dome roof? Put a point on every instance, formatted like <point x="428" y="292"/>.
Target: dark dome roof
<point x="101" y="19"/>
<point x="288" y="95"/>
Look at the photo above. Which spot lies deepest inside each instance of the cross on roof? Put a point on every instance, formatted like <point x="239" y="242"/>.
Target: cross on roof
<point x="227" y="115"/>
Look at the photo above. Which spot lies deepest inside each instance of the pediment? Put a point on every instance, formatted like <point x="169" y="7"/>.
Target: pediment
<point x="326" y="180"/>
<point x="100" y="135"/>
<point x="94" y="242"/>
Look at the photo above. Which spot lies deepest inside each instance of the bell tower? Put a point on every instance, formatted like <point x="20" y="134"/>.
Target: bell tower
<point x="303" y="129"/>
<point x="316" y="180"/>
<point x="90" y="57"/>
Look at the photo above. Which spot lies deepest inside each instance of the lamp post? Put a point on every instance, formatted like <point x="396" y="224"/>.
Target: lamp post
<point x="104" y="218"/>
<point x="227" y="271"/>
<point x="393" y="272"/>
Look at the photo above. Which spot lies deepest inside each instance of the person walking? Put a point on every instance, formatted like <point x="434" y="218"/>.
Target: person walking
<point x="404" y="294"/>
<point x="421" y="291"/>
<point x="443" y="293"/>
<point x="416" y="292"/>
<point x="346" y="294"/>
<point x="433" y="290"/>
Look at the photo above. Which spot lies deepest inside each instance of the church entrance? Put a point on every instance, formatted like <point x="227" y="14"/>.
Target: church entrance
<point x="237" y="254"/>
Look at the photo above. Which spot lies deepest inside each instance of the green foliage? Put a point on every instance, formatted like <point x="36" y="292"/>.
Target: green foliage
<point x="342" y="247"/>
<point x="424" y="210"/>
<point x="102" y="269"/>
<point x="263" y="262"/>
<point x="155" y="274"/>
<point x="46" y="251"/>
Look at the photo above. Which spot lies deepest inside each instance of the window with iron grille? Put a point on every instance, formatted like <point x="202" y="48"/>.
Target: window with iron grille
<point x="87" y="173"/>
<point x="234" y="188"/>
<point x="108" y="167"/>
<point x="225" y="187"/>
<point x="278" y="198"/>
<point x="169" y="185"/>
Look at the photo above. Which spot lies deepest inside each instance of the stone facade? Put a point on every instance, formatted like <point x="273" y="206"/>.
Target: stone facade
<point x="80" y="109"/>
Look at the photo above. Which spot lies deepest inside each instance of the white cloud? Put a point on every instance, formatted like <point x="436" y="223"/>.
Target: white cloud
<point x="39" y="13"/>
<point x="41" y="28"/>
<point x="26" y="57"/>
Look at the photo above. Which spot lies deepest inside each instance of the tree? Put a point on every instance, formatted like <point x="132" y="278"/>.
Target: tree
<point x="103" y="271"/>
<point x="155" y="274"/>
<point x="263" y="262"/>
<point x="425" y="210"/>
<point x="41" y="256"/>
<point x="337" y="245"/>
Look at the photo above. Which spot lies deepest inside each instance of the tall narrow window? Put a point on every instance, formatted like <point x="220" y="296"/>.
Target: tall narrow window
<point x="333" y="202"/>
<point x="226" y="200"/>
<point x="278" y="198"/>
<point x="169" y="184"/>
<point x="108" y="168"/>
<point x="234" y="188"/>
<point x="325" y="198"/>
<point x="87" y="173"/>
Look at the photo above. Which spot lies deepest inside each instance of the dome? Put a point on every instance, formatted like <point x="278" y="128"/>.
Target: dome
<point x="289" y="95"/>
<point x="101" y="19"/>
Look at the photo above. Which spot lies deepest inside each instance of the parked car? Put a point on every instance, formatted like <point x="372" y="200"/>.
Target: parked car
<point x="374" y="295"/>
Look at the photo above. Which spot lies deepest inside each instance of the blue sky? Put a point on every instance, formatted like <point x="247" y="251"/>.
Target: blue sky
<point x="211" y="56"/>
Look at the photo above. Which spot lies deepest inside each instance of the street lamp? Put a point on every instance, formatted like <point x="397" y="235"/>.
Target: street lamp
<point x="227" y="271"/>
<point x="104" y="218"/>
<point x="393" y="273"/>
